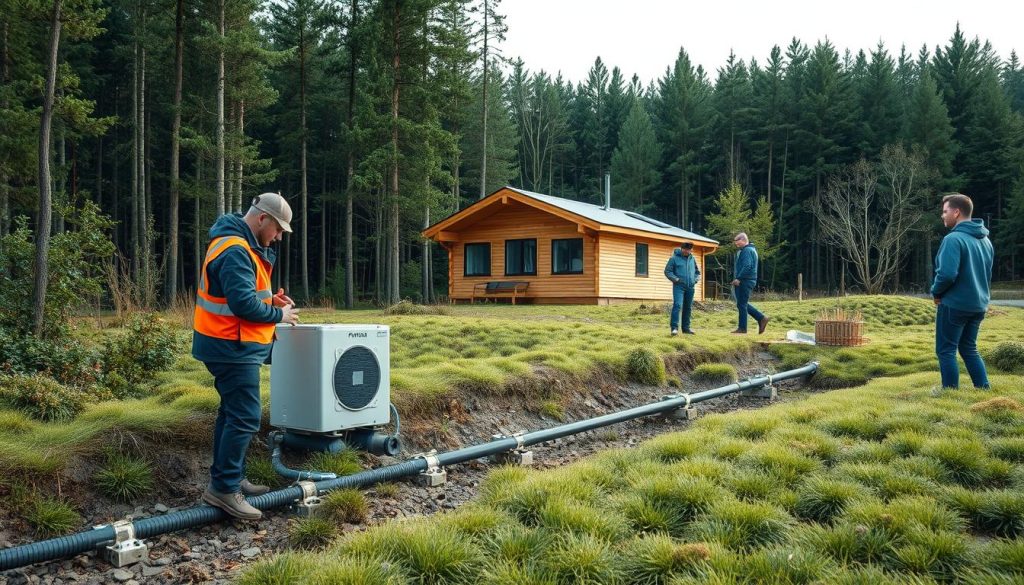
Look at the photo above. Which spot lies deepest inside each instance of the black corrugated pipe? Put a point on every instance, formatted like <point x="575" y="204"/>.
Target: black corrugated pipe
<point x="55" y="548"/>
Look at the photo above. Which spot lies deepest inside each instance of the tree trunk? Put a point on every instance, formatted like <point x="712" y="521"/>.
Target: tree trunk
<point x="197" y="240"/>
<point x="378" y="262"/>
<point x="136" y="155"/>
<point x="483" y="115"/>
<point x="302" y="162"/>
<point x="239" y="166"/>
<point x="323" y="228"/>
<point x="5" y="211"/>
<point x="220" y="109"/>
<point x="43" y="219"/>
<point x="350" y="166"/>
<point x="396" y="63"/>
<point x="425" y="285"/>
<point x="172" y="204"/>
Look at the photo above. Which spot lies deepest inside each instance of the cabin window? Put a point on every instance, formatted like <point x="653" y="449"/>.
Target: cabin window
<point x="478" y="259"/>
<point x="641" y="259"/>
<point x="520" y="257"/>
<point x="567" y="256"/>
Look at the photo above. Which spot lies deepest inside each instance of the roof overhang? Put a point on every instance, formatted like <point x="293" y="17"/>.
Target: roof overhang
<point x="446" y="229"/>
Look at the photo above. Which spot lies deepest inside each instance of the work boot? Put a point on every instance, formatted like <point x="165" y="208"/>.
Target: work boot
<point x="762" y="324"/>
<point x="253" y="489"/>
<point x="234" y="504"/>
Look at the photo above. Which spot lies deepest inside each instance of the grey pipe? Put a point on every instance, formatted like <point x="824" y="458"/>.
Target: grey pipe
<point x="55" y="548"/>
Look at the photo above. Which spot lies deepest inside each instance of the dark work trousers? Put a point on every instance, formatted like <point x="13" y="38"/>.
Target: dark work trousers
<point x="238" y="419"/>
<point x="958" y="331"/>
<point x="682" y="298"/>
<point x="743" y="306"/>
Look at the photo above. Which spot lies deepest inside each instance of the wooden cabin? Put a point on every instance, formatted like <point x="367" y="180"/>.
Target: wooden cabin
<point x="534" y="248"/>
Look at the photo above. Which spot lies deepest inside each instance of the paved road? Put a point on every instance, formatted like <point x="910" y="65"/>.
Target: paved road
<point x="1008" y="303"/>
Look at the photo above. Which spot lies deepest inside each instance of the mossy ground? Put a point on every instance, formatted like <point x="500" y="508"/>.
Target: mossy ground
<point x="890" y="482"/>
<point x="492" y="349"/>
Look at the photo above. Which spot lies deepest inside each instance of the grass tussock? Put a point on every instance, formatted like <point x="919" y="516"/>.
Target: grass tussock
<point x="312" y="533"/>
<point x="407" y="307"/>
<point x="346" y="505"/>
<point x="345" y="462"/>
<point x="714" y="373"/>
<point x="644" y="366"/>
<point x="124" y="477"/>
<point x="51" y="517"/>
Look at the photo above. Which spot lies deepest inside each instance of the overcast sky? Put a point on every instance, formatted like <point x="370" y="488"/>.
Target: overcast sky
<point x="644" y="36"/>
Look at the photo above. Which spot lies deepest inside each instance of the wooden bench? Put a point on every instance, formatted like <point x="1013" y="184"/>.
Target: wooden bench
<point x="500" y="288"/>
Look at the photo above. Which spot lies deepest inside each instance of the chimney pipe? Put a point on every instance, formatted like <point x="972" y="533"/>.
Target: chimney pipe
<point x="607" y="190"/>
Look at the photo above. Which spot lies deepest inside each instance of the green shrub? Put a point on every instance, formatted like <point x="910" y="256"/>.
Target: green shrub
<point x="354" y="571"/>
<point x="51" y="517"/>
<point x="124" y="477"/>
<point x="65" y="359"/>
<point x="714" y="374"/>
<point x="75" y="266"/>
<point x="346" y="505"/>
<point x="311" y="533"/>
<point x="643" y="366"/>
<point x="1008" y="356"/>
<point x="130" y="359"/>
<point x="42" y="397"/>
<point x="787" y="565"/>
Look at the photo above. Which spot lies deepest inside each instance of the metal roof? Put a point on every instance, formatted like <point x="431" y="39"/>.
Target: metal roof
<point x="615" y="217"/>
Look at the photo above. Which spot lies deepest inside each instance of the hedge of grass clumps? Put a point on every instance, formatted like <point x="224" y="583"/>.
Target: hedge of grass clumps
<point x="643" y="366"/>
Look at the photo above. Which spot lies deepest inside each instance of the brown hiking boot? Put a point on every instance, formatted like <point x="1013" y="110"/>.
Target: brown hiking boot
<point x="234" y="504"/>
<point x="253" y="489"/>
<point x="762" y="324"/>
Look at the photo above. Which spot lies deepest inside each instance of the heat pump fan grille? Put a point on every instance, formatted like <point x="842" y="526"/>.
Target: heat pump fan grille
<point x="356" y="378"/>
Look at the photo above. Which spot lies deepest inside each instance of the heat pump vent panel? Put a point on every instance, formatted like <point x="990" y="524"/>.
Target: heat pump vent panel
<point x="356" y="378"/>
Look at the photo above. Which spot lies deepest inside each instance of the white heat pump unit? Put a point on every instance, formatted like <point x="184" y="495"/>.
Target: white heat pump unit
<point x="330" y="378"/>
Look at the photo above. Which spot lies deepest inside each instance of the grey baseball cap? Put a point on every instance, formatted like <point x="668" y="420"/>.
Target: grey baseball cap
<point x="276" y="206"/>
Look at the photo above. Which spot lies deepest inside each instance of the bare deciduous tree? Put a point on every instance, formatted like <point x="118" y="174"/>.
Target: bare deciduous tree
<point x="869" y="211"/>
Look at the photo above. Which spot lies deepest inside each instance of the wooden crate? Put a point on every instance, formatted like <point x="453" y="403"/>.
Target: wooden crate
<point x="846" y="333"/>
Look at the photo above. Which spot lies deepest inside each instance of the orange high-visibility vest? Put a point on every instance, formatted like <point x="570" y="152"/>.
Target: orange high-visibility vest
<point x="214" y="318"/>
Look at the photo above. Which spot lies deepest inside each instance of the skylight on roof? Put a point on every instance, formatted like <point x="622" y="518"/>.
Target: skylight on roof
<point x="649" y="220"/>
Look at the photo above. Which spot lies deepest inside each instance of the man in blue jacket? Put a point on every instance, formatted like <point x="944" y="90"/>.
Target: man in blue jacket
<point x="683" y="271"/>
<point x="744" y="280"/>
<point x="233" y="333"/>
<point x="963" y="271"/>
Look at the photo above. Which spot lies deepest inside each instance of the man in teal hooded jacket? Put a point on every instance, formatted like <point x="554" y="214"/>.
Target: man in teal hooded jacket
<point x="684" y="273"/>
<point x="963" y="271"/>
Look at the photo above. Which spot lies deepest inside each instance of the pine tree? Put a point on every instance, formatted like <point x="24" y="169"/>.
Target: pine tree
<point x="635" y="175"/>
<point x="684" y="115"/>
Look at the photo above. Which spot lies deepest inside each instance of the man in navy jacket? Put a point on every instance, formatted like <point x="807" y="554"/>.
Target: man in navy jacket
<point x="684" y="273"/>
<point x="963" y="271"/>
<point x="744" y="280"/>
